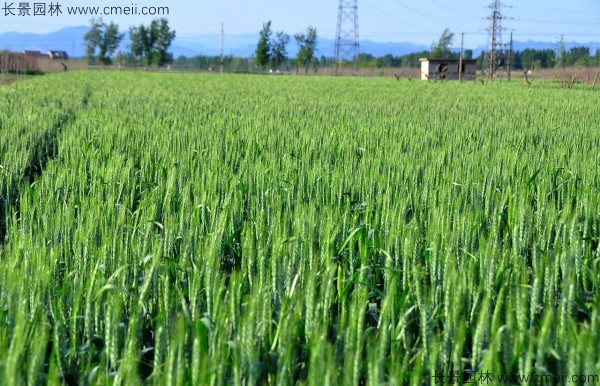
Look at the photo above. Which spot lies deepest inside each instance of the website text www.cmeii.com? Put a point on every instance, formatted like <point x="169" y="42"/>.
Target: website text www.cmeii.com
<point x="487" y="378"/>
<point x="24" y="9"/>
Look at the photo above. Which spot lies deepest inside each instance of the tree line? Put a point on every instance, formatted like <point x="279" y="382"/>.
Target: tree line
<point x="149" y="44"/>
<point x="527" y="59"/>
<point x="239" y="64"/>
<point x="271" y="51"/>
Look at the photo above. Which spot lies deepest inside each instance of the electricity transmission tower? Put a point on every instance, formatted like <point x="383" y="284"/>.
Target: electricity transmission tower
<point x="495" y="58"/>
<point x="346" y="38"/>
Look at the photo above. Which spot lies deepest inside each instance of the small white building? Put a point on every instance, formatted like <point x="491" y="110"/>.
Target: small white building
<point x="447" y="69"/>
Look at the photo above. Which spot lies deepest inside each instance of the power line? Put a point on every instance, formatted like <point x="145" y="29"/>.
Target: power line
<point x="552" y="10"/>
<point x="558" y="34"/>
<point x="555" y="22"/>
<point x="445" y="8"/>
<point x="389" y="15"/>
<point x="412" y="9"/>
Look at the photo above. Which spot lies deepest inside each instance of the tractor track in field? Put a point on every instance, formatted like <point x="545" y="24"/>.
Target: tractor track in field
<point x="46" y="149"/>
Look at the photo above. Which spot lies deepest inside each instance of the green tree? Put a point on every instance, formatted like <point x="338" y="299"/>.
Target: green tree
<point x="579" y="56"/>
<point x="104" y="38"/>
<point x="109" y="44"/>
<point x="163" y="37"/>
<point x="441" y="49"/>
<point x="561" y="53"/>
<point x="528" y="58"/>
<point x="517" y="64"/>
<point x="141" y="45"/>
<point x="263" y="48"/>
<point x="307" y="43"/>
<point x="547" y="57"/>
<point x="481" y="60"/>
<point x="150" y="44"/>
<point x="93" y="39"/>
<point x="279" y="49"/>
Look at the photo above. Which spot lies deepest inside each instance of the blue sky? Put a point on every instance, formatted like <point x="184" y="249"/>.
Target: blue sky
<point x="420" y="21"/>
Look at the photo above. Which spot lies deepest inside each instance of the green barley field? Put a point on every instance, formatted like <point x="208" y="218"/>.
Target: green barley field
<point x="185" y="229"/>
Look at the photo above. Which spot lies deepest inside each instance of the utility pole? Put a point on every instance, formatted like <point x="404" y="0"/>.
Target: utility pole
<point x="346" y="38"/>
<point x="460" y="62"/>
<point x="510" y="56"/>
<point x="222" y="45"/>
<point x="495" y="37"/>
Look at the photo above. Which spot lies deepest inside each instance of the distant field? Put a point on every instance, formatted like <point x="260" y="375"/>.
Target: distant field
<point x="187" y="229"/>
<point x="49" y="65"/>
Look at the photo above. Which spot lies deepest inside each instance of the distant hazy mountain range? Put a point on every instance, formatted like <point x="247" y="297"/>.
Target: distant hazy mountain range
<point x="71" y="40"/>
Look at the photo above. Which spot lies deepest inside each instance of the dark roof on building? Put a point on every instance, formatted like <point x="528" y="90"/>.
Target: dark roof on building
<point x="58" y="54"/>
